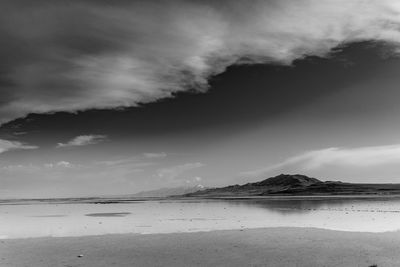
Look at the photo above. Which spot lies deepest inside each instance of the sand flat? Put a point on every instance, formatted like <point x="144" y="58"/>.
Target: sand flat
<point x="250" y="247"/>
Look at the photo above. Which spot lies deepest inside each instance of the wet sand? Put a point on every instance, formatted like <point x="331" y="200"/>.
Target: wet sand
<point x="249" y="247"/>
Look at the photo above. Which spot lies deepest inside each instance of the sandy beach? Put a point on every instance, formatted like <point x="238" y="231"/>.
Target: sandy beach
<point x="248" y="247"/>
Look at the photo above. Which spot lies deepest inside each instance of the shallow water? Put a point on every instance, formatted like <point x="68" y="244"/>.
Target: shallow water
<point x="146" y="217"/>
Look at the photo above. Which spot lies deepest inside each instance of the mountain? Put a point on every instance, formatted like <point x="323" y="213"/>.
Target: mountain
<point x="166" y="192"/>
<point x="297" y="184"/>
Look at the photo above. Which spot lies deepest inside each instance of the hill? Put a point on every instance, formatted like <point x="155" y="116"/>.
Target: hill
<point x="297" y="184"/>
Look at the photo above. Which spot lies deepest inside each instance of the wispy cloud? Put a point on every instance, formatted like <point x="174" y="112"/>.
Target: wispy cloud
<point x="83" y="140"/>
<point x="345" y="157"/>
<point x="96" y="54"/>
<point x="6" y="145"/>
<point x="155" y="155"/>
<point x="19" y="133"/>
<point x="63" y="163"/>
<point x="30" y="168"/>
<point x="132" y="161"/>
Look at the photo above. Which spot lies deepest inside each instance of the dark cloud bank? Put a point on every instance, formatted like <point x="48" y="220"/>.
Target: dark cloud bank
<point x="241" y="97"/>
<point x="76" y="55"/>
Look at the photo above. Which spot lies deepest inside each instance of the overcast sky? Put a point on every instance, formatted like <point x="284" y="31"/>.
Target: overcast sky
<point x="115" y="97"/>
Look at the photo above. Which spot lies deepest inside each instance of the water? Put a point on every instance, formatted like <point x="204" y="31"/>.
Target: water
<point x="165" y="216"/>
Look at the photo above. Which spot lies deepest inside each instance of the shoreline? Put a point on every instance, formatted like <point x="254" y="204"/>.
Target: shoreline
<point x="278" y="246"/>
<point x="122" y="200"/>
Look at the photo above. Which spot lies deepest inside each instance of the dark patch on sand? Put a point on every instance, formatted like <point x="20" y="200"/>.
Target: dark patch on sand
<point x="49" y="216"/>
<point x="108" y="214"/>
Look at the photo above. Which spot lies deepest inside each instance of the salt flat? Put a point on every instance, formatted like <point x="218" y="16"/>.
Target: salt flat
<point x="298" y="247"/>
<point x="54" y="219"/>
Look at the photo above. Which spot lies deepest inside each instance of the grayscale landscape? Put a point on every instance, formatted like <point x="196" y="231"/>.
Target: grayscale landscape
<point x="199" y="133"/>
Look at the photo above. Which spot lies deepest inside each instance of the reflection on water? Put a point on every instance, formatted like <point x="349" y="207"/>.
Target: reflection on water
<point x="299" y="205"/>
<point x="347" y="214"/>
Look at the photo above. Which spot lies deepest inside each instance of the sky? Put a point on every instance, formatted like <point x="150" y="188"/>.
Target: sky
<point x="116" y="97"/>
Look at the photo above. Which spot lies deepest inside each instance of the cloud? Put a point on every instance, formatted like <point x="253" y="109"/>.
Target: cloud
<point x="172" y="173"/>
<point x="131" y="161"/>
<point x="6" y="145"/>
<point x="155" y="155"/>
<point x="20" y="133"/>
<point x="334" y="156"/>
<point x="20" y="168"/>
<point x="64" y="164"/>
<point x="83" y="140"/>
<point x="93" y="54"/>
<point x="39" y="168"/>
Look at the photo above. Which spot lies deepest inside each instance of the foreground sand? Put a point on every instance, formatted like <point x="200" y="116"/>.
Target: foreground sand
<point x="256" y="247"/>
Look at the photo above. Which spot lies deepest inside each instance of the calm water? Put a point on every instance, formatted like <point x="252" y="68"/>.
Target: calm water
<point x="38" y="220"/>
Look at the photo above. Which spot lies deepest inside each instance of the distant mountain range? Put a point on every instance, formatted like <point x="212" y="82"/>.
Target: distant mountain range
<point x="166" y="192"/>
<point x="287" y="184"/>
